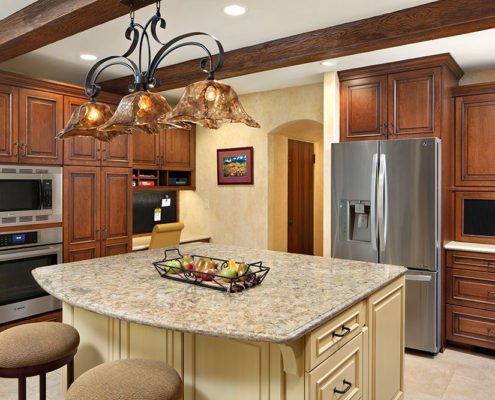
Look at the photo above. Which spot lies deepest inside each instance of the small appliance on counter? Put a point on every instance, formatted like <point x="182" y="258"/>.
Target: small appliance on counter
<point x="386" y="203"/>
<point x="30" y="195"/>
<point x="20" y="253"/>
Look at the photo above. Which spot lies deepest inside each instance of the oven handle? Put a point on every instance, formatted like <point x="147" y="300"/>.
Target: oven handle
<point x="26" y="253"/>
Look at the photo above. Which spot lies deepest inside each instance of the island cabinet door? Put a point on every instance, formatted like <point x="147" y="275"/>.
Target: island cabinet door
<point x="81" y="213"/>
<point x="40" y="119"/>
<point x="116" y="208"/>
<point x="385" y="315"/>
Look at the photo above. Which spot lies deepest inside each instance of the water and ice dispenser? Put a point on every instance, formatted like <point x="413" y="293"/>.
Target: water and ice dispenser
<point x="355" y="220"/>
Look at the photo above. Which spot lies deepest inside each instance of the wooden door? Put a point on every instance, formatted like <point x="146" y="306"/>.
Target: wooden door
<point x="146" y="153"/>
<point x="300" y="197"/>
<point x="414" y="104"/>
<point x="363" y="104"/>
<point x="475" y="140"/>
<point x="41" y="117"/>
<point x="178" y="147"/>
<point x="79" y="150"/>
<point x="116" y="207"/>
<point x="9" y="123"/>
<point x="82" y="199"/>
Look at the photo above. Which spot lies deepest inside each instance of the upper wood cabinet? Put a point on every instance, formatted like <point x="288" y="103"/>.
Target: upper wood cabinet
<point x="146" y="151"/>
<point x="414" y="103"/>
<point x="475" y="140"/>
<point x="9" y="123"/>
<point x="171" y="149"/>
<point x="363" y="113"/>
<point x="88" y="151"/>
<point x="178" y="147"/>
<point x="406" y="99"/>
<point x="40" y="119"/>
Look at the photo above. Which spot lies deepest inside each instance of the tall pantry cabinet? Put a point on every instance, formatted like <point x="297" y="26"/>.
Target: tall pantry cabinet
<point x="97" y="194"/>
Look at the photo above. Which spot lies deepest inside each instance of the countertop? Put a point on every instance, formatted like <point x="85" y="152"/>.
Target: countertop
<point x="299" y="293"/>
<point x="467" y="246"/>
<point x="142" y="242"/>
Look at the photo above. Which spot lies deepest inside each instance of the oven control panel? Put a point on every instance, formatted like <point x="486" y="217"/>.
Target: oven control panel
<point x="18" y="239"/>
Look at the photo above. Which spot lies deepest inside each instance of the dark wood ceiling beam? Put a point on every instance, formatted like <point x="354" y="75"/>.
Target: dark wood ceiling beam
<point x="47" y="21"/>
<point x="426" y="22"/>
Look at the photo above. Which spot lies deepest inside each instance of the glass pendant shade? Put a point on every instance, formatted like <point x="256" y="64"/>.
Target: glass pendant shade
<point x="209" y="104"/>
<point x="85" y="120"/>
<point x="138" y="112"/>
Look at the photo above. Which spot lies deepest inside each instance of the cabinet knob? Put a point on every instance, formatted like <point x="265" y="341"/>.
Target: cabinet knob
<point x="491" y="294"/>
<point x="16" y="149"/>
<point x="491" y="332"/>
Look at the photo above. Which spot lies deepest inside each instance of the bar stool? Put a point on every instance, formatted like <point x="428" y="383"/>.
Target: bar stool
<point x="36" y="349"/>
<point x="128" y="380"/>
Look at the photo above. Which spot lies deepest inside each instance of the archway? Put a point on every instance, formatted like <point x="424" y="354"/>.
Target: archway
<point x="305" y="130"/>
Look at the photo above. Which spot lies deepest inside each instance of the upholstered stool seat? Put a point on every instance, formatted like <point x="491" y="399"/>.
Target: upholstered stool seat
<point x="35" y="349"/>
<point x="133" y="379"/>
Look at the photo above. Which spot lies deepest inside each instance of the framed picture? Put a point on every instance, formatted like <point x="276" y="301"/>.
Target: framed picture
<point x="235" y="166"/>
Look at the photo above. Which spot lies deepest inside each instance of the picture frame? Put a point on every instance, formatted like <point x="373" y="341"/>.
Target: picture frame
<point x="235" y="166"/>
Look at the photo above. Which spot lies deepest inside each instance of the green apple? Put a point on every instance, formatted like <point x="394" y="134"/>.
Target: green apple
<point x="227" y="274"/>
<point x="174" y="267"/>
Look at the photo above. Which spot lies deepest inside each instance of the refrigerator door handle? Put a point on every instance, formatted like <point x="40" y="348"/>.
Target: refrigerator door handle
<point x="382" y="202"/>
<point x="374" y="167"/>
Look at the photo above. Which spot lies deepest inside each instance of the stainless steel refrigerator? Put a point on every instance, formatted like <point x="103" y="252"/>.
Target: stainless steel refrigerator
<point x="386" y="203"/>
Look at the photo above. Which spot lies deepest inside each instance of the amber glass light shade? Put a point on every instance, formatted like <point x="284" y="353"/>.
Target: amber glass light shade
<point x="138" y="112"/>
<point x="85" y="119"/>
<point x="209" y="103"/>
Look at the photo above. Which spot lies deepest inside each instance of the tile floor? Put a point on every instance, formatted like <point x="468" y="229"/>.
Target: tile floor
<point x="453" y="375"/>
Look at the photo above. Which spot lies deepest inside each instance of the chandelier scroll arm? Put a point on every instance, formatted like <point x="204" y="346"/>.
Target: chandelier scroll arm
<point x="92" y="89"/>
<point x="167" y="49"/>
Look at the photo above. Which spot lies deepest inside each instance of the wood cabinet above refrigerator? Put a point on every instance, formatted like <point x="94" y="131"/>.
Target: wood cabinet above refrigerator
<point x="400" y="100"/>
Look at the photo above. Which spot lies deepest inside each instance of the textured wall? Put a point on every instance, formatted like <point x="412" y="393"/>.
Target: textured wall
<point x="238" y="214"/>
<point x="482" y="76"/>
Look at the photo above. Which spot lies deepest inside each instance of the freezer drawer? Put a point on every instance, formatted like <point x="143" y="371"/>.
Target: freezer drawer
<point x="422" y="317"/>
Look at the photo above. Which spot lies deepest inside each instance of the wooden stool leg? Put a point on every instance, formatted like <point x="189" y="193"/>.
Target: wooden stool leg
<point x="22" y="388"/>
<point x="43" y="387"/>
<point x="70" y="373"/>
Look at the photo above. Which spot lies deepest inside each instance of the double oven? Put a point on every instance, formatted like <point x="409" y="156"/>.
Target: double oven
<point x="29" y="195"/>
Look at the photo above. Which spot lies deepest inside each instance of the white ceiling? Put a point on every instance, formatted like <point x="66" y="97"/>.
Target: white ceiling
<point x="264" y="20"/>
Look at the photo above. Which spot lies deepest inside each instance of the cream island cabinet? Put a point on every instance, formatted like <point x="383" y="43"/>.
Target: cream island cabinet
<point x="315" y="329"/>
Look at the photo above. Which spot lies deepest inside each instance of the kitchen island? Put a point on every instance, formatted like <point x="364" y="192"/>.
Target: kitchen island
<point x="315" y="327"/>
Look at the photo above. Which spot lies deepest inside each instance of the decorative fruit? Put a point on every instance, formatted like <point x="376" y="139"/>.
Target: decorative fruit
<point x="186" y="262"/>
<point x="242" y="268"/>
<point x="173" y="267"/>
<point x="227" y="274"/>
<point x="232" y="265"/>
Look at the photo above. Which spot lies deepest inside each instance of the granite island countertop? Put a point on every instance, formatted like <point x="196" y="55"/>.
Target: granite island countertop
<point x="299" y="294"/>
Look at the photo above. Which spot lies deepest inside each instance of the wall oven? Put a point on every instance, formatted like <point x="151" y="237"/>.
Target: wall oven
<point x="30" y="195"/>
<point x="20" y="253"/>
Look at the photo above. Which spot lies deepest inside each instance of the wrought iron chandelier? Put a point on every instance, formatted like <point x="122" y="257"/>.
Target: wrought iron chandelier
<point x="208" y="103"/>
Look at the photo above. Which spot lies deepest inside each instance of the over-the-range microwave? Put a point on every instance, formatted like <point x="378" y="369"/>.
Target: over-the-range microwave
<point x="30" y="194"/>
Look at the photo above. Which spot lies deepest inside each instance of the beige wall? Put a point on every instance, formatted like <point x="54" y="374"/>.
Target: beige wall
<point x="238" y="214"/>
<point x="480" y="76"/>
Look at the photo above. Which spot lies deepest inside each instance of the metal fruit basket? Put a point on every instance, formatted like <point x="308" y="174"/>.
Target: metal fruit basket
<point x="255" y="274"/>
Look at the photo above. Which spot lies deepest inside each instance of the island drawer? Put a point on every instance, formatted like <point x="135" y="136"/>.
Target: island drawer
<point x="471" y="288"/>
<point x="330" y="337"/>
<point x="471" y="326"/>
<point x="471" y="260"/>
<point x="340" y="377"/>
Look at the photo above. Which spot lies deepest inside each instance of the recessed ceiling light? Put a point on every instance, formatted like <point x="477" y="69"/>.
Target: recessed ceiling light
<point x="234" y="10"/>
<point x="88" y="57"/>
<point x="329" y="63"/>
